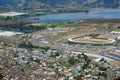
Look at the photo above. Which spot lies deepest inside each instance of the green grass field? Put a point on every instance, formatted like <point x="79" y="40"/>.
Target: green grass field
<point x="86" y="29"/>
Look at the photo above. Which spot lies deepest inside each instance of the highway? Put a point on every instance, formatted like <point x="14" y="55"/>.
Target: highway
<point x="66" y="48"/>
<point x="103" y="53"/>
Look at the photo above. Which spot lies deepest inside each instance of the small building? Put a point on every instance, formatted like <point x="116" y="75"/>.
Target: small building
<point x="118" y="38"/>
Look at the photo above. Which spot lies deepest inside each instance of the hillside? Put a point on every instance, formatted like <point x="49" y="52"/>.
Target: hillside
<point x="38" y="4"/>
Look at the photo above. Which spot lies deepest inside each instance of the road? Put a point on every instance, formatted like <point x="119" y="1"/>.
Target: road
<point x="103" y="53"/>
<point x="66" y="48"/>
<point x="102" y="78"/>
<point x="109" y="75"/>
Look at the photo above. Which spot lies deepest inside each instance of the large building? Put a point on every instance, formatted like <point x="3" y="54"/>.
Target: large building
<point x="13" y="14"/>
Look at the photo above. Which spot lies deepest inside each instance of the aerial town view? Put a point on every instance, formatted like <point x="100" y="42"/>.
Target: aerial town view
<point x="59" y="39"/>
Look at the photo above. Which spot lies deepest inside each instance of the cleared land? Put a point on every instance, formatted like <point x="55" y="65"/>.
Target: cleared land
<point x="88" y="29"/>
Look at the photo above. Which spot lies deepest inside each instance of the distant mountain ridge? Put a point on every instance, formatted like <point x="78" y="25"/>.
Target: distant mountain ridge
<point x="59" y="3"/>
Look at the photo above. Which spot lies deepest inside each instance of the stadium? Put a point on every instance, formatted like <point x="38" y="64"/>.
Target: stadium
<point x="91" y="41"/>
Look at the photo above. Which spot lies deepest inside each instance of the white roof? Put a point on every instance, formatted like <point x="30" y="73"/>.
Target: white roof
<point x="11" y="14"/>
<point x="8" y="33"/>
<point x="97" y="60"/>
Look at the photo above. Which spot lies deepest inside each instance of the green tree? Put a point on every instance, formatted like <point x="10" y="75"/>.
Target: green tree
<point x="72" y="61"/>
<point x="1" y="76"/>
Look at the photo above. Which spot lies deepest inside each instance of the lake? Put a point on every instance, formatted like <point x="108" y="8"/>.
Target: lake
<point x="96" y="13"/>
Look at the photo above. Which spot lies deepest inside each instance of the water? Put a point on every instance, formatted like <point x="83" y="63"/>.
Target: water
<point x="75" y="17"/>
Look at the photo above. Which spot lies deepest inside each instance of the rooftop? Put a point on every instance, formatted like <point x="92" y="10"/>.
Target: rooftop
<point x="12" y="14"/>
<point x="8" y="33"/>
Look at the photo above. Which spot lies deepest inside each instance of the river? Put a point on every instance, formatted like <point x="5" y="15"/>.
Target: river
<point x="97" y="13"/>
